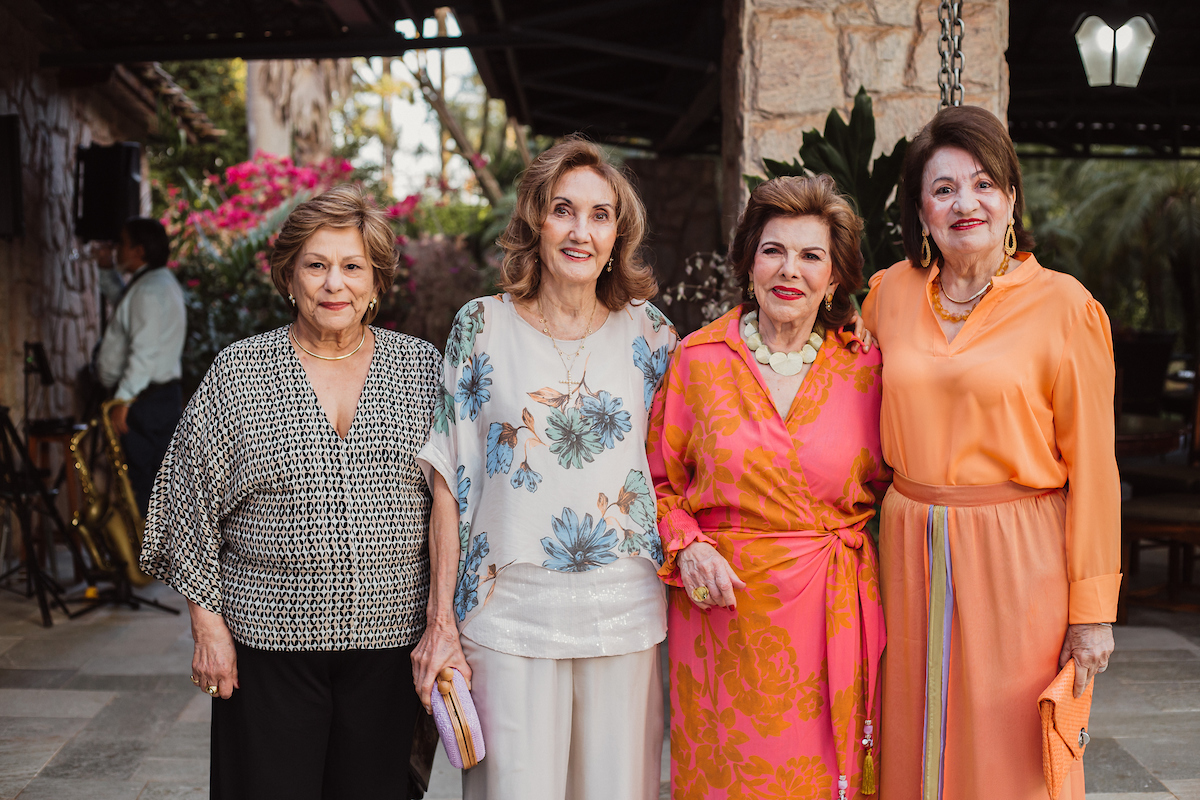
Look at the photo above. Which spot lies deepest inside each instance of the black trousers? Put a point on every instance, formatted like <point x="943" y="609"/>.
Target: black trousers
<point x="152" y="420"/>
<point x="323" y="725"/>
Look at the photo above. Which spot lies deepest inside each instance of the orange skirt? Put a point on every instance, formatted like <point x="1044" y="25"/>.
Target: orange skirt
<point x="983" y="569"/>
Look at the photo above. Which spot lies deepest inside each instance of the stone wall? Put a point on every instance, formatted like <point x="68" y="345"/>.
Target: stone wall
<point x="788" y="62"/>
<point x="50" y="291"/>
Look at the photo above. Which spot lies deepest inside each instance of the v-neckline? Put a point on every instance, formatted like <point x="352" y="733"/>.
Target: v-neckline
<point x="312" y="392"/>
<point x="756" y="371"/>
<point x="983" y="309"/>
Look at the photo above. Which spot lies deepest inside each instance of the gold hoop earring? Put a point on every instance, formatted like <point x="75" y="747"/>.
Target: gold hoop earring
<point x="292" y="300"/>
<point x="926" y="252"/>
<point x="1010" y="240"/>
<point x="610" y="263"/>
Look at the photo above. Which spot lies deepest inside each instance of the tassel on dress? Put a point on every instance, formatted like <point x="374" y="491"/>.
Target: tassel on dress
<point x="868" y="787"/>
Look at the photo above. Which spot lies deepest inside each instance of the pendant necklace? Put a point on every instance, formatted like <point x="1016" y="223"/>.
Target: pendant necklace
<point x="292" y="333"/>
<point x="561" y="356"/>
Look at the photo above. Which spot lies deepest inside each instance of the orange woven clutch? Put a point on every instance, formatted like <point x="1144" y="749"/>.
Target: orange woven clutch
<point x="1064" y="727"/>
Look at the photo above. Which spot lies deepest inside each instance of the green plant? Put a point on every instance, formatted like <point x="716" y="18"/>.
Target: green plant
<point x="1129" y="230"/>
<point x="844" y="153"/>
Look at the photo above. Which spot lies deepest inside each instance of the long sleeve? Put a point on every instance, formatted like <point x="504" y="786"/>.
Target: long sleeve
<point x="182" y="543"/>
<point x="671" y="426"/>
<point x="110" y="360"/>
<point x="1085" y="434"/>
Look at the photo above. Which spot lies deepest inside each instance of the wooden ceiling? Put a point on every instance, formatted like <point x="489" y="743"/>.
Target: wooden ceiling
<point x="646" y="72"/>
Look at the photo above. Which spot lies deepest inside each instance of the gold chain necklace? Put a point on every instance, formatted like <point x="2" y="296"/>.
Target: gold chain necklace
<point x="936" y="289"/>
<point x="292" y="333"/>
<point x="561" y="356"/>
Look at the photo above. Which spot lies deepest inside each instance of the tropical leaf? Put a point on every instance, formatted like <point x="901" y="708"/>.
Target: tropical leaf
<point x="843" y="152"/>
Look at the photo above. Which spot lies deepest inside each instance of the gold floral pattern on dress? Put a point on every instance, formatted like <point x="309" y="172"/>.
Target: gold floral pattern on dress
<point x="769" y="699"/>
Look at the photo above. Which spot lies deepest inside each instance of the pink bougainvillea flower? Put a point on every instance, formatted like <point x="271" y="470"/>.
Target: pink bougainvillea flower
<point x="404" y="208"/>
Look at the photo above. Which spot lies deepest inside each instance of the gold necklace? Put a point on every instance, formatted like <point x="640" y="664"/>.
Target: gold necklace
<point x="292" y="333"/>
<point x="936" y="288"/>
<point x="561" y="356"/>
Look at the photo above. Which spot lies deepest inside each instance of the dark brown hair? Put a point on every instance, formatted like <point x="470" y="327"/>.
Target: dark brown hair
<point x="801" y="197"/>
<point x="978" y="132"/>
<point x="344" y="206"/>
<point x="521" y="275"/>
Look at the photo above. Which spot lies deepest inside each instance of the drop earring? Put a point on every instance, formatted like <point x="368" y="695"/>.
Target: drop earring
<point x="1010" y="240"/>
<point x="371" y="305"/>
<point x="829" y="302"/>
<point x="750" y="290"/>
<point x="292" y="300"/>
<point x="926" y="252"/>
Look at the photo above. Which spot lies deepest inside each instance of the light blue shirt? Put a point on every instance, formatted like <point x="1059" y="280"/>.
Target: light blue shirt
<point x="144" y="341"/>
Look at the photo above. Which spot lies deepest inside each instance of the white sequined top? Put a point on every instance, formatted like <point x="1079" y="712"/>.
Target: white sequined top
<point x="557" y="529"/>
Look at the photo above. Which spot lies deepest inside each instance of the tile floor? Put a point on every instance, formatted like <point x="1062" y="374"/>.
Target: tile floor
<point x="100" y="708"/>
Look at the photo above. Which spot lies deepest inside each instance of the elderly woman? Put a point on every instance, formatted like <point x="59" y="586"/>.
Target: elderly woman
<point x="542" y="539"/>
<point x="291" y="513"/>
<point x="764" y="447"/>
<point x="1000" y="543"/>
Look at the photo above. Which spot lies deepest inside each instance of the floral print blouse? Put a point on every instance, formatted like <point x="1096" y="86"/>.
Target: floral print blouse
<point x="547" y="473"/>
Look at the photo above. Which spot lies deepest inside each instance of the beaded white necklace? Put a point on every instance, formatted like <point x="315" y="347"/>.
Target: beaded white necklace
<point x="783" y="363"/>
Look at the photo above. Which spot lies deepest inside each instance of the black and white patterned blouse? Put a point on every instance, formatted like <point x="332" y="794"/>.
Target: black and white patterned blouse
<point x="301" y="540"/>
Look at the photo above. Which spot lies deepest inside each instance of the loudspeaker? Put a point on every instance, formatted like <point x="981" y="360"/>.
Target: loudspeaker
<point x="108" y="189"/>
<point x="12" y="211"/>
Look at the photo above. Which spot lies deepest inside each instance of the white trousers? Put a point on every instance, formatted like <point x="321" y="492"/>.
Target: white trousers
<point x="566" y="729"/>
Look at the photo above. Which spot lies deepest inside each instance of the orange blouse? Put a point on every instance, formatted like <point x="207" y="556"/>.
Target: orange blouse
<point x="1024" y="393"/>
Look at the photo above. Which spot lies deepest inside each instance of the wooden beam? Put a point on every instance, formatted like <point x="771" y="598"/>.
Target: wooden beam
<point x="572" y="90"/>
<point x="702" y="107"/>
<point x="257" y="49"/>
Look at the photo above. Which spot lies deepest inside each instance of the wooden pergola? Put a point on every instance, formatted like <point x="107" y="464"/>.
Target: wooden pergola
<point x="646" y="73"/>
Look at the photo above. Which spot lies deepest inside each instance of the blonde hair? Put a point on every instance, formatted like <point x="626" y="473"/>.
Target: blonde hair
<point x="815" y="196"/>
<point x="345" y="206"/>
<point x="520" y="274"/>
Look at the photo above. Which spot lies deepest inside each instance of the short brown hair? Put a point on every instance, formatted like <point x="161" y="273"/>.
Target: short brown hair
<point x="978" y="132"/>
<point x="815" y="196"/>
<point x="520" y="274"/>
<point x="345" y="206"/>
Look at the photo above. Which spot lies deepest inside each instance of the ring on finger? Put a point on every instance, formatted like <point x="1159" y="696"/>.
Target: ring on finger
<point x="195" y="680"/>
<point x="700" y="593"/>
<point x="212" y="690"/>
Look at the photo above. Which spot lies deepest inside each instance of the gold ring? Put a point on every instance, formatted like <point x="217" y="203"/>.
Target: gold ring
<point x="195" y="680"/>
<point x="700" y="594"/>
<point x="211" y="690"/>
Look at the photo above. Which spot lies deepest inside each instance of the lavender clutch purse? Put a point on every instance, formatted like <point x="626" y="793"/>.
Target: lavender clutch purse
<point x="456" y="720"/>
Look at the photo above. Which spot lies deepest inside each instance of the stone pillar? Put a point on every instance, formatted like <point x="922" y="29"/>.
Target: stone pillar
<point x="788" y="62"/>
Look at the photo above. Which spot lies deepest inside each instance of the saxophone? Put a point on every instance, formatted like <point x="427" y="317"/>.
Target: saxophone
<point x="89" y="519"/>
<point x="110" y="529"/>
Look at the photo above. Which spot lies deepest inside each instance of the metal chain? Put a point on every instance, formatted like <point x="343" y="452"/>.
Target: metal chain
<point x="950" y="50"/>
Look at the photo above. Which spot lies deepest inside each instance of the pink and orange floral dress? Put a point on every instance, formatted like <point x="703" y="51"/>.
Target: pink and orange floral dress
<point x="771" y="699"/>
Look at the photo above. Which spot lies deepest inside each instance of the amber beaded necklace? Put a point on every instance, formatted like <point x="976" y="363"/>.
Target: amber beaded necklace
<point x="936" y="290"/>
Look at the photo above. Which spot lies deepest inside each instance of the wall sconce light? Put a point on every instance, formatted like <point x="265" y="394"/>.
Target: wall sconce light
<point x="1115" y="57"/>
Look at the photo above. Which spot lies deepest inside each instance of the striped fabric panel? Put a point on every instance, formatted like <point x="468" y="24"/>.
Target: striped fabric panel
<point x="937" y="663"/>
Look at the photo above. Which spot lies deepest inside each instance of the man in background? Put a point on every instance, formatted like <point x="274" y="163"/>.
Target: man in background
<point x="141" y="351"/>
